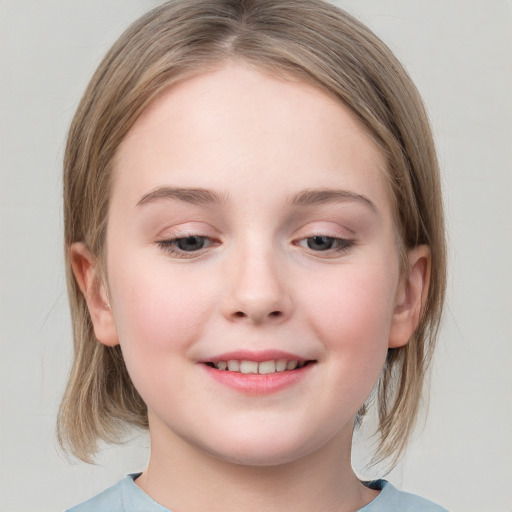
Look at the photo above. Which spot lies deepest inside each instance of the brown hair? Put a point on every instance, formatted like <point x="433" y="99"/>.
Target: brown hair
<point x="306" y="39"/>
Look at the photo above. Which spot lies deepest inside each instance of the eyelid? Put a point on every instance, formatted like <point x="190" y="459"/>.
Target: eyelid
<point x="324" y="228"/>
<point x="341" y="245"/>
<point x="344" y="239"/>
<point x="168" y="243"/>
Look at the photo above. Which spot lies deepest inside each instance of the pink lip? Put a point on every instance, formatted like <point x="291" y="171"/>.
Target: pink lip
<point x="248" y="355"/>
<point x="256" y="384"/>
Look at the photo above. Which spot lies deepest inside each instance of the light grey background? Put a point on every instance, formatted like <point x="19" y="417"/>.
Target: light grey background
<point x="458" y="52"/>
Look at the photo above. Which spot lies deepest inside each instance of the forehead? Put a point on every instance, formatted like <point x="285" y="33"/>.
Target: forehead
<point x="229" y="125"/>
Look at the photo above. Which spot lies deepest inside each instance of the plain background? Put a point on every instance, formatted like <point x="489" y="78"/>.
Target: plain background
<point x="459" y="54"/>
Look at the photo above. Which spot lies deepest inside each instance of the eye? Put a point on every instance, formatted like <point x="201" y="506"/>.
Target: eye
<point x="322" y="243"/>
<point x="191" y="243"/>
<point x="185" y="246"/>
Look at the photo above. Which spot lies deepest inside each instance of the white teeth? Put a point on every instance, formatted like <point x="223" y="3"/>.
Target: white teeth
<point x="248" y="367"/>
<point x="263" y="368"/>
<point x="267" y="367"/>
<point x="281" y="365"/>
<point x="233" y="365"/>
<point x="291" y="365"/>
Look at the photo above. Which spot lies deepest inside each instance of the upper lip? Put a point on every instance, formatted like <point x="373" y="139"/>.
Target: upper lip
<point x="257" y="356"/>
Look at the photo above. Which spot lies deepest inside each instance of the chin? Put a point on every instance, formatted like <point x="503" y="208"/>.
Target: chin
<point x="261" y="457"/>
<point x="262" y="452"/>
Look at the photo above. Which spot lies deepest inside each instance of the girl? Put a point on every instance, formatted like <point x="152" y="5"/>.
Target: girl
<point x="255" y="242"/>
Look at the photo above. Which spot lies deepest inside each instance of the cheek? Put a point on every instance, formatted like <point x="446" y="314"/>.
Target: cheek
<point x="157" y="310"/>
<point x="352" y="313"/>
<point x="159" y="315"/>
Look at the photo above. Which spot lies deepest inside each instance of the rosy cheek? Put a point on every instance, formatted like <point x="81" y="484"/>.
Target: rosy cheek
<point x="157" y="310"/>
<point x="352" y="311"/>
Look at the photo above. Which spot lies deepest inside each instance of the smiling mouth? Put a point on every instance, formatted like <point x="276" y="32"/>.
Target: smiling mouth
<point x="261" y="368"/>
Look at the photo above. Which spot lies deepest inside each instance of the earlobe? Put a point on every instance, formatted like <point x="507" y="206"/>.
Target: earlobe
<point x="87" y="274"/>
<point x="411" y="297"/>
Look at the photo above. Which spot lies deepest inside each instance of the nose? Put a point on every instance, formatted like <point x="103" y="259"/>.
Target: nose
<point x="256" y="290"/>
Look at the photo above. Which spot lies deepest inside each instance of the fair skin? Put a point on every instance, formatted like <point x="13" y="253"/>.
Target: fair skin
<point x="250" y="220"/>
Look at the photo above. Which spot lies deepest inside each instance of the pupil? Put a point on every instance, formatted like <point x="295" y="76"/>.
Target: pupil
<point x="320" y="243"/>
<point x="190" y="243"/>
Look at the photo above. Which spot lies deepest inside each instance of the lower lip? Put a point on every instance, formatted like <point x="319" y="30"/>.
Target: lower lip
<point x="257" y="384"/>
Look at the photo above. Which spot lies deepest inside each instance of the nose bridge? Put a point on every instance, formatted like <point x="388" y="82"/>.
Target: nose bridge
<point x="257" y="290"/>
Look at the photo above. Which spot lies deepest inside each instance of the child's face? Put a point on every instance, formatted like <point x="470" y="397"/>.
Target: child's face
<point x="250" y="220"/>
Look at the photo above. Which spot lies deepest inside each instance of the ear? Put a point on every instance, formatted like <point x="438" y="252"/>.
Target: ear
<point x="87" y="274"/>
<point x="411" y="297"/>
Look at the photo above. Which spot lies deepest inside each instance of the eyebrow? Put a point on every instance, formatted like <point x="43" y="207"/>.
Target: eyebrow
<point x="187" y="195"/>
<point x="309" y="197"/>
<point x="314" y="197"/>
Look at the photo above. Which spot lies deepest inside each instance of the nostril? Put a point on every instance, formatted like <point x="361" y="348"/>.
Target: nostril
<point x="257" y="316"/>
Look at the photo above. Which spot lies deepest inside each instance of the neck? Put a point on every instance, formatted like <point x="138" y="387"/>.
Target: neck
<point x="184" y="478"/>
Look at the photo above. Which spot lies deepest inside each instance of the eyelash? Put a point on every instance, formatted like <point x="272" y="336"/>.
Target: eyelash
<point x="340" y="244"/>
<point x="171" y="247"/>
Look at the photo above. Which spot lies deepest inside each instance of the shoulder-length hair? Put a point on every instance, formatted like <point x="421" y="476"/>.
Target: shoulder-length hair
<point x="309" y="40"/>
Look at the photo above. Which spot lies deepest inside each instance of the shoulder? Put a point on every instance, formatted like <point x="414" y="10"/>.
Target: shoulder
<point x="110" y="499"/>
<point x="391" y="499"/>
<point x="124" y="496"/>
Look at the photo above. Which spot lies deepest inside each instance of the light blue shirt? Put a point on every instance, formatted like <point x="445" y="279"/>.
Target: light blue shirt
<point x="125" y="496"/>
